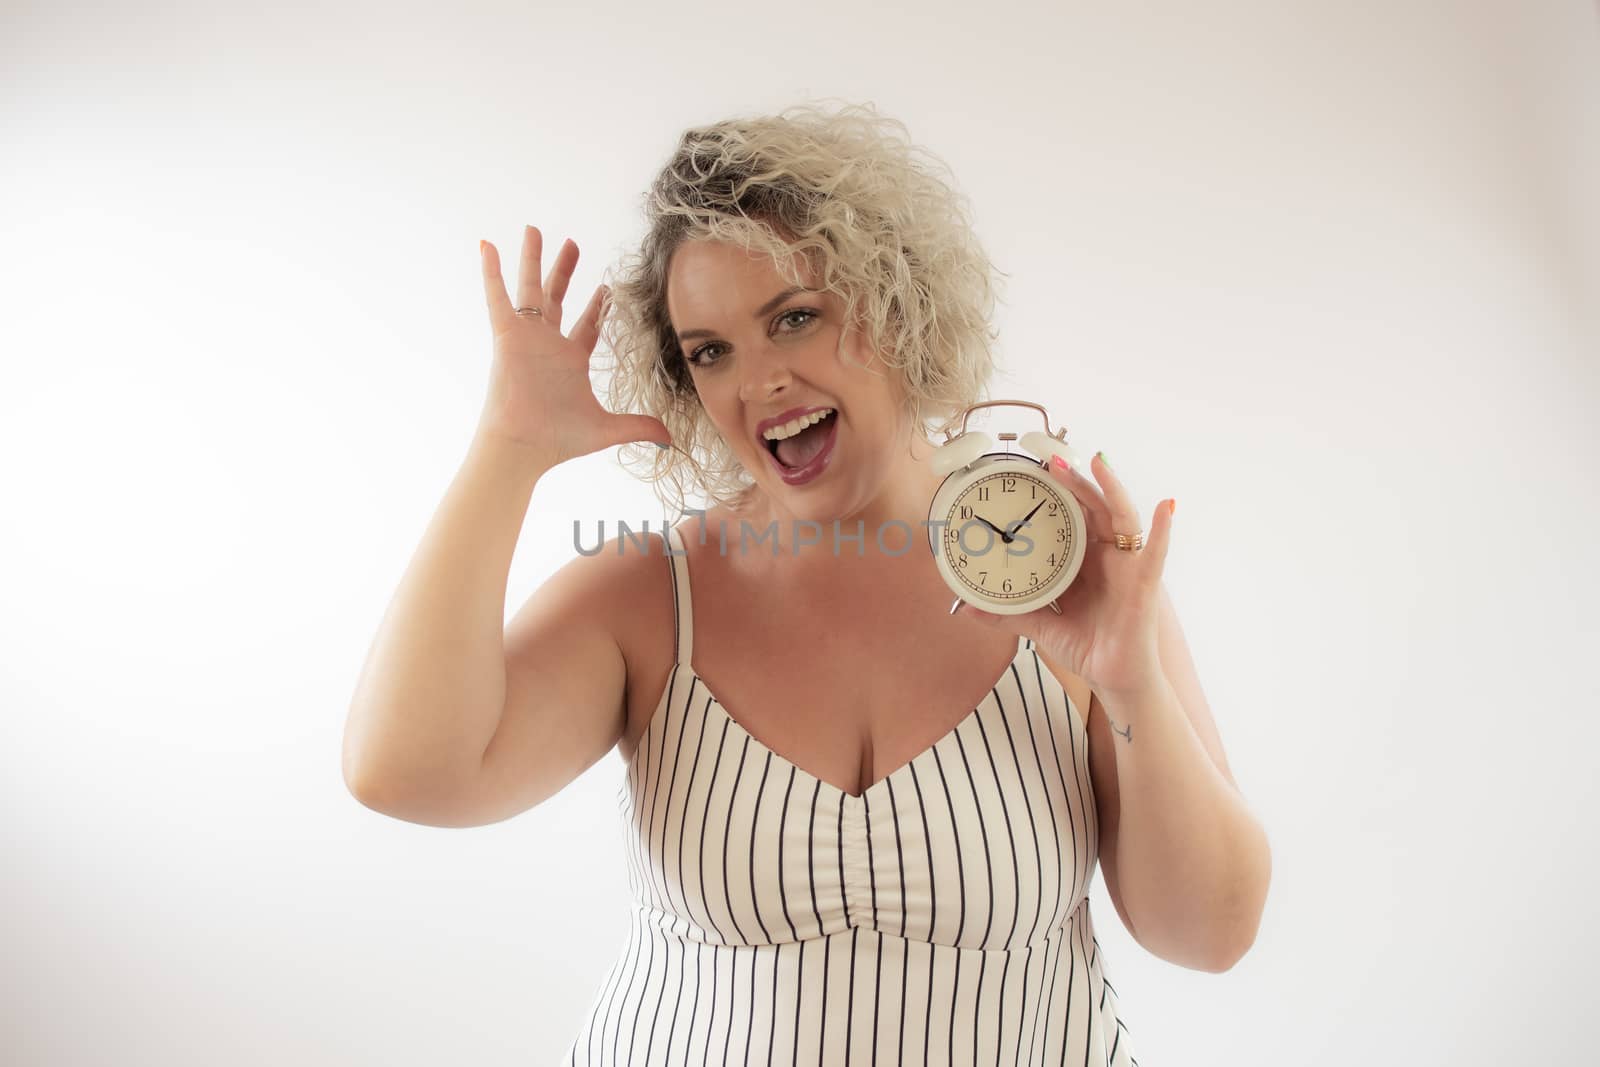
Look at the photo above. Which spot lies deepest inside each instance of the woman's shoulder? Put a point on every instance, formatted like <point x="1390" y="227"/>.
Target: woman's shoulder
<point x="633" y="576"/>
<point x="622" y="585"/>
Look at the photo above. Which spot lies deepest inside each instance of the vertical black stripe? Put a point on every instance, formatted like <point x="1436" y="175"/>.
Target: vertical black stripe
<point x="750" y="1013"/>
<point x="1027" y="803"/>
<point x="905" y="980"/>
<point x="988" y="863"/>
<point x="711" y="1023"/>
<point x="650" y="963"/>
<point x="955" y="834"/>
<point x="647" y="827"/>
<point x="1005" y="810"/>
<point x="1079" y="865"/>
<point x="783" y="849"/>
<point x="927" y="835"/>
<point x="811" y="856"/>
<point x="755" y="818"/>
<point x="631" y="951"/>
<point x="988" y="866"/>
<point x="694" y="1005"/>
<point x="666" y="815"/>
<point x="1042" y="1005"/>
<point x="827" y="942"/>
<point x="705" y="821"/>
<point x="772" y="1026"/>
<point x="799" y="999"/>
<point x="733" y="1000"/>
<point x="872" y="881"/>
<point x="1055" y="825"/>
<point x="839" y="847"/>
<point x="602" y="1003"/>
<point x="899" y="853"/>
<point x="677" y="1001"/>
<point x="850" y="998"/>
<point x="727" y="829"/>
<point x="694" y="772"/>
<point x="1072" y="982"/>
<point x="927" y="840"/>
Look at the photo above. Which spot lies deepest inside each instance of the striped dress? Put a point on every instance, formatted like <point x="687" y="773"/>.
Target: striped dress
<point x="939" y="917"/>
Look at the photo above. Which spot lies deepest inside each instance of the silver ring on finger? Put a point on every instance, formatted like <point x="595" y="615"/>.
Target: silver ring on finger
<point x="530" y="311"/>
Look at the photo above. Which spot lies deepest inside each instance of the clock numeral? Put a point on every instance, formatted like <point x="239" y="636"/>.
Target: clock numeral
<point x="1008" y="485"/>
<point x="1061" y="534"/>
<point x="1051" y="559"/>
<point x="961" y="560"/>
<point x="1052" y="507"/>
<point x="1005" y="586"/>
<point x="963" y="512"/>
<point x="1033" y="578"/>
<point x="983" y="577"/>
<point x="983" y="492"/>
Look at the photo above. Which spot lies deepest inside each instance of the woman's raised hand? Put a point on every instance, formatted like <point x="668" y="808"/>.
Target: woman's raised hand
<point x="540" y="394"/>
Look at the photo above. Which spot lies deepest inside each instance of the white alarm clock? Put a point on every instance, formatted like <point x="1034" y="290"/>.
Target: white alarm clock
<point x="1008" y="538"/>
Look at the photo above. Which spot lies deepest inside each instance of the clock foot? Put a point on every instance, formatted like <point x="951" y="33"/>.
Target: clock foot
<point x="957" y="605"/>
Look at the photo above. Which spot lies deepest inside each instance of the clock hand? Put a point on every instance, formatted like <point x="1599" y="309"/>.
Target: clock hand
<point x="1005" y="538"/>
<point x="1013" y="527"/>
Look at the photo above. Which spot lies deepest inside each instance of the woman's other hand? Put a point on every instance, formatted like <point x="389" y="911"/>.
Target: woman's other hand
<point x="540" y="395"/>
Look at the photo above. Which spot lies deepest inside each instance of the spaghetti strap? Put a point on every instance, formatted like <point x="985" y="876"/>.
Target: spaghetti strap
<point x="683" y="613"/>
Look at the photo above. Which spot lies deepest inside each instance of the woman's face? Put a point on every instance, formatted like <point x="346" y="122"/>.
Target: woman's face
<point x="755" y="354"/>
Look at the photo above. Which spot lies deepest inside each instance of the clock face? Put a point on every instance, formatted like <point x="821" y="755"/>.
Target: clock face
<point x="1007" y="536"/>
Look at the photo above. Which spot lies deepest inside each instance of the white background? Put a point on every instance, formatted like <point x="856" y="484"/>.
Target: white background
<point x="1325" y="272"/>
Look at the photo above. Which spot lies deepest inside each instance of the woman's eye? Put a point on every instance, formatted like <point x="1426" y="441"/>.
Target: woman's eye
<point x="698" y="358"/>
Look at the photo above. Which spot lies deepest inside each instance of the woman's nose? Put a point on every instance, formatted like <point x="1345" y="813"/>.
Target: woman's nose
<point x="766" y="380"/>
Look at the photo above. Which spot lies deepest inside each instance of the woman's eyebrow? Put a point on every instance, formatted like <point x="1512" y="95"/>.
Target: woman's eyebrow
<point x="761" y="312"/>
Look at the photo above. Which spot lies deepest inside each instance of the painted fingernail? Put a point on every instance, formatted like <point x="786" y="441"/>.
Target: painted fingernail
<point x="1106" y="461"/>
<point x="1059" y="462"/>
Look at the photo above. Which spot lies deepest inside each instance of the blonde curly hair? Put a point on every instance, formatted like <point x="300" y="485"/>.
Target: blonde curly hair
<point x="843" y="191"/>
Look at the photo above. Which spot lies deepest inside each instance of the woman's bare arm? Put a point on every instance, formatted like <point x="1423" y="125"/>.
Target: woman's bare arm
<point x="430" y="694"/>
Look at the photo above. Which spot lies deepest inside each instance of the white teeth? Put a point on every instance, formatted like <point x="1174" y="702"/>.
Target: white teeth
<point x="794" y="426"/>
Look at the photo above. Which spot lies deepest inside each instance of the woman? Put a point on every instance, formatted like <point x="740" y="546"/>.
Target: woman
<point x="859" y="825"/>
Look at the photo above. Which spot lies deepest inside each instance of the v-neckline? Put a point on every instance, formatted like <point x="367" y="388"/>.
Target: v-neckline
<point x="844" y="796"/>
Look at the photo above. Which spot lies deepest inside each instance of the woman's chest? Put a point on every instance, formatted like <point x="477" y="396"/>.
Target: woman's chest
<point x="973" y="827"/>
<point x="850" y="709"/>
<point x="848" y="686"/>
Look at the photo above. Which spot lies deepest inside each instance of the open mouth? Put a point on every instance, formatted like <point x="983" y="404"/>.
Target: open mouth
<point x="803" y="456"/>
